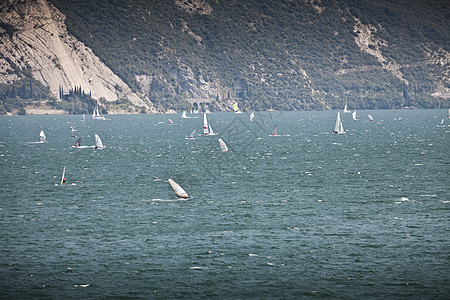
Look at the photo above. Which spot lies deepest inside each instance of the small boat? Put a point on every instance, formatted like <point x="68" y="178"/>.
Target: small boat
<point x="42" y="137"/>
<point x="346" y="108"/>
<point x="170" y="122"/>
<point x="223" y="146"/>
<point x="338" y="128"/>
<point x="211" y="132"/>
<point x="84" y="118"/>
<point x="370" y="118"/>
<point x="63" y="178"/>
<point x="179" y="191"/>
<point x="236" y="108"/>
<point x="192" y="136"/>
<point x="205" y="125"/>
<point x="73" y="130"/>
<point x="275" y="131"/>
<point x="252" y="116"/>
<point x="98" y="143"/>
<point x="354" y="116"/>
<point x="96" y="115"/>
<point x="183" y="115"/>
<point x="448" y="114"/>
<point x="77" y="143"/>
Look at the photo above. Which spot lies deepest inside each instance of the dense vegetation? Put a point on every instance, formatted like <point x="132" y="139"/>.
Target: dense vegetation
<point x="270" y="54"/>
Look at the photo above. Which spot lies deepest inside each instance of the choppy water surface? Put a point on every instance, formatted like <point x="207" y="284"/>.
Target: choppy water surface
<point x="305" y="214"/>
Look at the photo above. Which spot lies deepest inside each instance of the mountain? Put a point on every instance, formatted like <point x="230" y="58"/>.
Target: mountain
<point x="275" y="54"/>
<point x="35" y="44"/>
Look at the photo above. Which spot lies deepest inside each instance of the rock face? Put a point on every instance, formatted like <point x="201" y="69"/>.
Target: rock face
<point x="34" y="38"/>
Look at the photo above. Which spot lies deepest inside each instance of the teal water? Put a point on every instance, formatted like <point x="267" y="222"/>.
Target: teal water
<point x="307" y="214"/>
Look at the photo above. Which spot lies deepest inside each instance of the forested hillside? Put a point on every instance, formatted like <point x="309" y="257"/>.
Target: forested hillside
<point x="278" y="54"/>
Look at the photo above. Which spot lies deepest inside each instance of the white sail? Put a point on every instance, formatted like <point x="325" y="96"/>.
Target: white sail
<point x="63" y="179"/>
<point x="223" y="146"/>
<point x="370" y="117"/>
<point x="205" y="125"/>
<point x="338" y="127"/>
<point x="192" y="136"/>
<point x="42" y="137"/>
<point x="354" y="115"/>
<point x="178" y="189"/>
<point x="252" y="116"/>
<point x="183" y="115"/>
<point x="98" y="142"/>
<point x="211" y="132"/>
<point x="448" y="115"/>
<point x="96" y="115"/>
<point x="346" y="108"/>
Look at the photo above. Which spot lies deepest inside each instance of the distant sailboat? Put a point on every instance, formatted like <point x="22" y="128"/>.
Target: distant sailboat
<point x="338" y="128"/>
<point x="84" y="118"/>
<point x="77" y="143"/>
<point x="205" y="125"/>
<point x="42" y="138"/>
<point x="236" y="108"/>
<point x="63" y="178"/>
<point x="192" y="136"/>
<point x="275" y="131"/>
<point x="448" y="114"/>
<point x="98" y="142"/>
<point x="354" y="115"/>
<point x="370" y="118"/>
<point x="96" y="115"/>
<point x="179" y="191"/>
<point x="223" y="146"/>
<point x="252" y="116"/>
<point x="346" y="108"/>
<point x="73" y="130"/>
<point x="183" y="115"/>
<point x="170" y="122"/>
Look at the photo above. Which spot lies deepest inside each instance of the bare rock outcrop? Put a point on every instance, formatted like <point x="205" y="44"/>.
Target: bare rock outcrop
<point x="34" y="38"/>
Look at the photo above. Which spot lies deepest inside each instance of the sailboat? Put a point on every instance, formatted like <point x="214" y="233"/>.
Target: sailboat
<point x="205" y="125"/>
<point x="211" y="132"/>
<point x="183" y="115"/>
<point x="63" y="179"/>
<point x="448" y="114"/>
<point x="98" y="143"/>
<point x="170" y="122"/>
<point x="179" y="191"/>
<point x="338" y="128"/>
<point x="346" y="108"/>
<point x="84" y="118"/>
<point x="42" y="138"/>
<point x="223" y="146"/>
<point x="77" y="144"/>
<point x="252" y="116"/>
<point x="354" y="115"/>
<point x="192" y="136"/>
<point x="275" y="132"/>
<point x="370" y="118"/>
<point x="236" y="108"/>
<point x="96" y="115"/>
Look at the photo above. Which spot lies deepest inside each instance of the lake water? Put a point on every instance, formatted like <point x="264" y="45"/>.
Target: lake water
<point x="307" y="214"/>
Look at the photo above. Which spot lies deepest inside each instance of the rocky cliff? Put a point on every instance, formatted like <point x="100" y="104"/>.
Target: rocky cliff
<point x="34" y="39"/>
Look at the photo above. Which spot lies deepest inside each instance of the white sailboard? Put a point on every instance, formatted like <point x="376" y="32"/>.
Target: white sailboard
<point x="192" y="136"/>
<point x="223" y="146"/>
<point x="63" y="178"/>
<point x="252" y="116"/>
<point x="354" y="116"/>
<point x="42" y="137"/>
<point x="98" y="142"/>
<point x="179" y="191"/>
